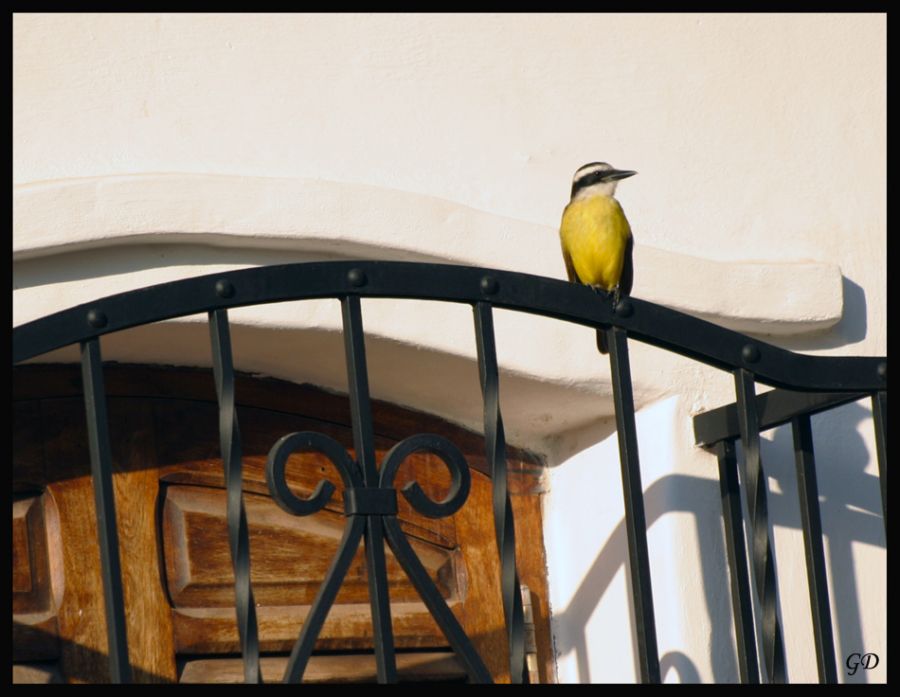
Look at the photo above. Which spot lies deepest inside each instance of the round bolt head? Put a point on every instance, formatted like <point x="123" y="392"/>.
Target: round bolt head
<point x="624" y="308"/>
<point x="750" y="353"/>
<point x="489" y="285"/>
<point x="882" y="370"/>
<point x="357" y="277"/>
<point x="96" y="318"/>
<point x="224" y="288"/>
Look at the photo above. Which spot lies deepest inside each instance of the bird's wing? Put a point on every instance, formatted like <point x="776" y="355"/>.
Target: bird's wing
<point x="627" y="278"/>
<point x="570" y="268"/>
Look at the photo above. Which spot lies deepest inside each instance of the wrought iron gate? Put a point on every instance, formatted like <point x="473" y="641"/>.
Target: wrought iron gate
<point x="804" y="385"/>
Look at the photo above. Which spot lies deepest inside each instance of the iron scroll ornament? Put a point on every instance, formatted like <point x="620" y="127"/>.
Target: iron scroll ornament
<point x="361" y="501"/>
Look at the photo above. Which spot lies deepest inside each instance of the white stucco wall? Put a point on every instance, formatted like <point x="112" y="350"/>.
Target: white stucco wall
<point x="153" y="147"/>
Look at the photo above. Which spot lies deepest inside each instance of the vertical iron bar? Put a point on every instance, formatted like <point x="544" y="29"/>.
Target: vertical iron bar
<point x="504" y="525"/>
<point x="635" y="520"/>
<point x="757" y="506"/>
<point x="236" y="516"/>
<point x="741" y="601"/>
<point x="879" y="415"/>
<point x="443" y="615"/>
<point x="364" y="444"/>
<point x="104" y="498"/>
<point x="324" y="599"/>
<point x="815" y="555"/>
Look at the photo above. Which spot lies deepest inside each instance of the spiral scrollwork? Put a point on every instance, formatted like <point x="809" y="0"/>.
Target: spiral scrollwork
<point x="308" y="441"/>
<point x="450" y="455"/>
<point x="367" y="506"/>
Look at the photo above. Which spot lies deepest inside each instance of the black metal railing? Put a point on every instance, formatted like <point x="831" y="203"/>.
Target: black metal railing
<point x="806" y="385"/>
<point x="720" y="430"/>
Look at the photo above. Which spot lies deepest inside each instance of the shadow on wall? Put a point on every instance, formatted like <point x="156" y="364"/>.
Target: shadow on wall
<point x="851" y="328"/>
<point x="851" y="513"/>
<point x="668" y="494"/>
<point x="850" y="505"/>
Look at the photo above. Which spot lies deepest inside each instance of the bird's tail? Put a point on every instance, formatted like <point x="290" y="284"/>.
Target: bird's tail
<point x="602" y="346"/>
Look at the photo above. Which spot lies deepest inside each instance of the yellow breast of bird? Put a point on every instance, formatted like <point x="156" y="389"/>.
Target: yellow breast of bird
<point x="594" y="232"/>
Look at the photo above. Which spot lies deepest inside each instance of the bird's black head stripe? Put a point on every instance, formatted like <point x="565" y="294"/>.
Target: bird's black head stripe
<point x="588" y="180"/>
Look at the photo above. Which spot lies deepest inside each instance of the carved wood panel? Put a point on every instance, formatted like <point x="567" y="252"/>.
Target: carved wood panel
<point x="176" y="565"/>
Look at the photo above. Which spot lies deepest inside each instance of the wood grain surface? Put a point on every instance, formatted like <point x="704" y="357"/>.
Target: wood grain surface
<point x="176" y="565"/>
<point x="411" y="667"/>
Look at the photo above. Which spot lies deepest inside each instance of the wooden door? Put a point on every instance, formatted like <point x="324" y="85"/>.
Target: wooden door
<point x="176" y="565"/>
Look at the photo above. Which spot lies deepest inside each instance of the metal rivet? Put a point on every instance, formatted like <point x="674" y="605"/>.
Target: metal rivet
<point x="96" y="318"/>
<point x="882" y="371"/>
<point x="489" y="285"/>
<point x="750" y="353"/>
<point x="624" y="308"/>
<point x="357" y="277"/>
<point x="224" y="288"/>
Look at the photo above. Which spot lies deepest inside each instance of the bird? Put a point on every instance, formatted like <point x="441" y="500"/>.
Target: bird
<point x="596" y="238"/>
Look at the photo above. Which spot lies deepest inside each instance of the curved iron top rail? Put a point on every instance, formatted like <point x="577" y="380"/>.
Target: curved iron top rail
<point x="647" y="322"/>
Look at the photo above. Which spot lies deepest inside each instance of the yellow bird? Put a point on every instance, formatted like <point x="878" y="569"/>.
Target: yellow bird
<point x="595" y="235"/>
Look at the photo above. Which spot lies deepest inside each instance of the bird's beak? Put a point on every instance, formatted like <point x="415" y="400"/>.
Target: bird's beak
<point x="616" y="174"/>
